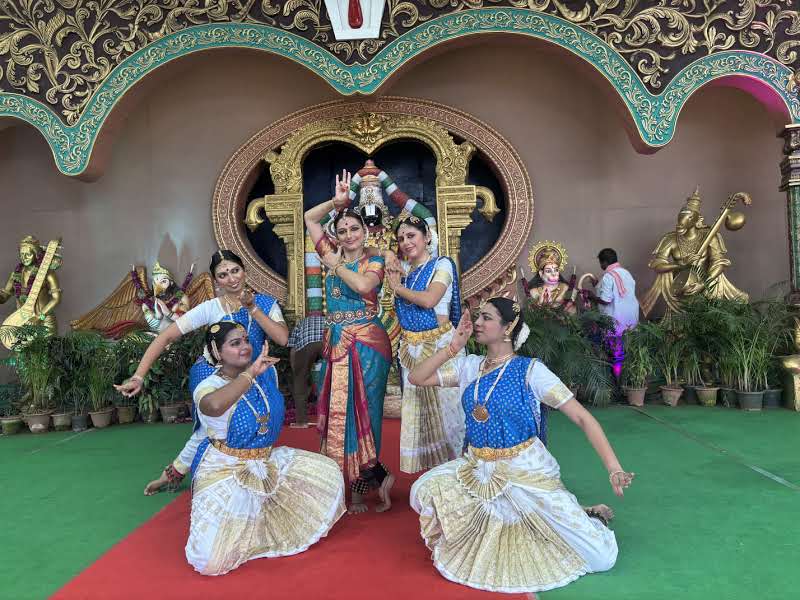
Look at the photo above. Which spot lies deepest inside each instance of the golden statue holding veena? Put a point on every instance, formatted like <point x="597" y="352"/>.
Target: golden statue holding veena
<point x="691" y="259"/>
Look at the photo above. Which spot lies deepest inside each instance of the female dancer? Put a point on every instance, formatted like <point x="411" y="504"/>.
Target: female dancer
<point x="250" y="500"/>
<point x="499" y="518"/>
<point x="428" y="305"/>
<point x="258" y="313"/>
<point x="356" y="350"/>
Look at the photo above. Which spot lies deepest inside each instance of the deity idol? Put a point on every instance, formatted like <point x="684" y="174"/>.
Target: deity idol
<point x="167" y="302"/>
<point x="691" y="259"/>
<point x="34" y="284"/>
<point x="548" y="287"/>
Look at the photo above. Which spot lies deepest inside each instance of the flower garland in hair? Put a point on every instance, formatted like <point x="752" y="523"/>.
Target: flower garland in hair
<point x="21" y="295"/>
<point x="522" y="336"/>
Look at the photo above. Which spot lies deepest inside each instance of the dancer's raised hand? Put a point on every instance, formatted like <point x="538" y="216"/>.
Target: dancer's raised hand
<point x="342" y="194"/>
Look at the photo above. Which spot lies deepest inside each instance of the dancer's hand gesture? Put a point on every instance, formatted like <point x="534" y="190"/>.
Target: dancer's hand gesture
<point x="620" y="480"/>
<point x="262" y="363"/>
<point x="341" y="196"/>
<point x="247" y="298"/>
<point x="462" y="334"/>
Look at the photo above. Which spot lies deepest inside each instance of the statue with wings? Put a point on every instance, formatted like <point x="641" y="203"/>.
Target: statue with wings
<point x="133" y="305"/>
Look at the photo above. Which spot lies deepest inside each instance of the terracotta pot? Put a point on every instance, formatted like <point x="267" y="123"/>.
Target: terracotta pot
<point x="62" y="421"/>
<point x="80" y="422"/>
<point x="750" y="400"/>
<point x="707" y="395"/>
<point x="170" y="412"/>
<point x="636" y="396"/>
<point x="11" y="425"/>
<point x="102" y="418"/>
<point x="671" y="395"/>
<point x="38" y="423"/>
<point x="773" y="398"/>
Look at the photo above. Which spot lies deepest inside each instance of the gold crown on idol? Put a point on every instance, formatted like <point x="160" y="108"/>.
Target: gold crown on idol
<point x="694" y="202"/>
<point x="30" y="240"/>
<point x="547" y="253"/>
<point x="159" y="270"/>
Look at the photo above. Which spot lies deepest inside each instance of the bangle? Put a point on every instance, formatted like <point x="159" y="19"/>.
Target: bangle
<point x="138" y="378"/>
<point x="450" y="352"/>
<point x="253" y="310"/>
<point x="335" y="269"/>
<point x="611" y="476"/>
<point x="249" y="377"/>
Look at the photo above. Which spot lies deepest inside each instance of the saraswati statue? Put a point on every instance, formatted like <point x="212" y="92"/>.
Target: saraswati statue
<point x="34" y="286"/>
<point x="691" y="259"/>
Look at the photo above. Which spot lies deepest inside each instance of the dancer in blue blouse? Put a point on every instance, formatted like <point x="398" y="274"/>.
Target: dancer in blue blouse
<point x="250" y="500"/>
<point x="499" y="518"/>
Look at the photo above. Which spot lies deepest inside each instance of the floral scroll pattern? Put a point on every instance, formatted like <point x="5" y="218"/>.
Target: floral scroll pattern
<point x="59" y="52"/>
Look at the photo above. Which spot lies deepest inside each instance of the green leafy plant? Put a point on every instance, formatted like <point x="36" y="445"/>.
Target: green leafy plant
<point x="10" y="396"/>
<point x="167" y="382"/>
<point x="638" y="365"/>
<point x="668" y="345"/>
<point x="34" y="367"/>
<point x="573" y="348"/>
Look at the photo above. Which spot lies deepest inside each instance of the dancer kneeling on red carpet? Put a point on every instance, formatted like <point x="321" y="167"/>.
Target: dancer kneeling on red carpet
<point x="499" y="518"/>
<point x="250" y="500"/>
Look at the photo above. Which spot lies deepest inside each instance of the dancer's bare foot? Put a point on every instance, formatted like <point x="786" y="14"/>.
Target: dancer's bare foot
<point x="155" y="486"/>
<point x="356" y="504"/>
<point x="384" y="493"/>
<point x="602" y="511"/>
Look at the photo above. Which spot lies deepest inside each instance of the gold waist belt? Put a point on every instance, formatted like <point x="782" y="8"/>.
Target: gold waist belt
<point x="243" y="453"/>
<point x="418" y="337"/>
<point x="348" y="316"/>
<point x="492" y="454"/>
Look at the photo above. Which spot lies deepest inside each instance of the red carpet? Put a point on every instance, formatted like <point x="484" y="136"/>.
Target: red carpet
<point x="367" y="556"/>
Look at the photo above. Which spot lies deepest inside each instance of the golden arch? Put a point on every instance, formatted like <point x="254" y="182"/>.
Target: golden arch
<point x="367" y="126"/>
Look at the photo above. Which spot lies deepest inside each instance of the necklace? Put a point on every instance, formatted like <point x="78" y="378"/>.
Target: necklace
<point x="336" y="291"/>
<point x="498" y="360"/>
<point x="262" y="420"/>
<point x="229" y="313"/>
<point x="480" y="412"/>
<point x="416" y="272"/>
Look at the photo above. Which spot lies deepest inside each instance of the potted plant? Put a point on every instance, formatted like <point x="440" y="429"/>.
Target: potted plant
<point x="572" y="347"/>
<point x="10" y="418"/>
<point x="700" y="332"/>
<point x="638" y="364"/>
<point x="100" y="377"/>
<point x="128" y="352"/>
<point x="60" y="356"/>
<point x="668" y="345"/>
<point x="166" y="384"/>
<point x="35" y="371"/>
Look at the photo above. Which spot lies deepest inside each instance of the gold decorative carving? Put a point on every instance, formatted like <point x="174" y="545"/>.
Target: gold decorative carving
<point x="285" y="212"/>
<point x="61" y="52"/>
<point x="285" y="143"/>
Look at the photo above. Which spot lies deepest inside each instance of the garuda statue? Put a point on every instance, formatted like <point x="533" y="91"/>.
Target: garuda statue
<point x="135" y="306"/>
<point x="692" y="259"/>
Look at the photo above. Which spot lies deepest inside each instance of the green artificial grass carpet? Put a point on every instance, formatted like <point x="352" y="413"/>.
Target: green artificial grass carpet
<point x="706" y="517"/>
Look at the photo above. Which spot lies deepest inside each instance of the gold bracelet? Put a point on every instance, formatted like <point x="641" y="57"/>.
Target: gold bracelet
<point x="611" y="476"/>
<point x="450" y="352"/>
<point x="249" y="377"/>
<point x="253" y="310"/>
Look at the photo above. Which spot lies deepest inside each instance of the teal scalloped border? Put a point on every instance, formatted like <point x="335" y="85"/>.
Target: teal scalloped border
<point x="655" y="116"/>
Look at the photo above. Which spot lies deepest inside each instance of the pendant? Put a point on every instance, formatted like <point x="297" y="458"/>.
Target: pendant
<point x="336" y="292"/>
<point x="263" y="429"/>
<point x="480" y="413"/>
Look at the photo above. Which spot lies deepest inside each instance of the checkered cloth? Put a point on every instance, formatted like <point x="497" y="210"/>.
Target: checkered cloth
<point x="307" y="331"/>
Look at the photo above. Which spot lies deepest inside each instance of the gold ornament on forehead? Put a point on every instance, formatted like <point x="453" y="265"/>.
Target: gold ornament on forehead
<point x="547" y="252"/>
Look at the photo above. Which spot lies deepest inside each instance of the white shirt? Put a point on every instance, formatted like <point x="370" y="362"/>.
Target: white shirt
<point x="623" y="309"/>
<point x="210" y="312"/>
